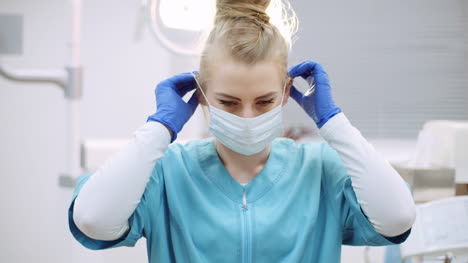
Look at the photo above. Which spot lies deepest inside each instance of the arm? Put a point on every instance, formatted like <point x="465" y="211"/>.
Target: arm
<point x="380" y="191"/>
<point x="111" y="194"/>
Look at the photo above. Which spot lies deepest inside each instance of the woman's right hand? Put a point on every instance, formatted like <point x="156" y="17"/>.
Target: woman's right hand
<point x="172" y="110"/>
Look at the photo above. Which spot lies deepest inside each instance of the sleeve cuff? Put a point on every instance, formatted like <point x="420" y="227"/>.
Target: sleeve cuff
<point x="160" y="129"/>
<point x="128" y="239"/>
<point x="334" y="125"/>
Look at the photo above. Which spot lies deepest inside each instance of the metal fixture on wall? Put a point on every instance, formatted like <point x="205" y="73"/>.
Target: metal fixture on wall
<point x="70" y="80"/>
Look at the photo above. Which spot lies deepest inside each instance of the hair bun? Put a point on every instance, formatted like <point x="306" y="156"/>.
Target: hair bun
<point x="254" y="10"/>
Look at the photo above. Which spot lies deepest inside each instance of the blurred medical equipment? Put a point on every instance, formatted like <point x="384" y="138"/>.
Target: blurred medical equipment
<point x="179" y="25"/>
<point x="164" y="24"/>
<point x="440" y="233"/>
<point x="442" y="144"/>
<point x="437" y="172"/>
<point x="298" y="132"/>
<point x="182" y="26"/>
<point x="429" y="184"/>
<point x="439" y="162"/>
<point x="69" y="79"/>
<point x="435" y="166"/>
<point x="11" y="37"/>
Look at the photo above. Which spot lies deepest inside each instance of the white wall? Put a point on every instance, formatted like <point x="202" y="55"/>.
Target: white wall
<point x="119" y="79"/>
<point x="392" y="64"/>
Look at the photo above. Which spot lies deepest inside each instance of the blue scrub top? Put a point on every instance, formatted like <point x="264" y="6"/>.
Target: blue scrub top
<point x="301" y="208"/>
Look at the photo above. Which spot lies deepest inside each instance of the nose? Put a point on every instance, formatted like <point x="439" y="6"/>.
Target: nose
<point x="248" y="112"/>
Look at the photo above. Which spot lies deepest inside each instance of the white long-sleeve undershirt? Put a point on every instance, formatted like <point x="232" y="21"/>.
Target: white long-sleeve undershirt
<point x="381" y="192"/>
<point x="110" y="196"/>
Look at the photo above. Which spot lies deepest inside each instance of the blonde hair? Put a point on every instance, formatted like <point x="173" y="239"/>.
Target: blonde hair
<point x="250" y="31"/>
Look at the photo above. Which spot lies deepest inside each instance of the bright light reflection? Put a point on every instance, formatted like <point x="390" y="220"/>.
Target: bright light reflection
<point x="193" y="15"/>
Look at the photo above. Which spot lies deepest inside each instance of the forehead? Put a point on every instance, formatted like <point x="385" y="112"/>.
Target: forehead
<point x="240" y="79"/>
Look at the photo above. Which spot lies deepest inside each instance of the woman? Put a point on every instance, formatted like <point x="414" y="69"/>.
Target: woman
<point x="244" y="195"/>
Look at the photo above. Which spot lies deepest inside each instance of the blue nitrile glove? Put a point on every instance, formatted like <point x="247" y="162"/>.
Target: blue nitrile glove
<point x="318" y="104"/>
<point x="172" y="110"/>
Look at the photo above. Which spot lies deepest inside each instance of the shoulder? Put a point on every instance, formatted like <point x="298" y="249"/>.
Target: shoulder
<point x="330" y="158"/>
<point x="286" y="144"/>
<point x="320" y="154"/>
<point x="189" y="148"/>
<point x="314" y="149"/>
<point x="333" y="169"/>
<point x="315" y="153"/>
<point x="179" y="155"/>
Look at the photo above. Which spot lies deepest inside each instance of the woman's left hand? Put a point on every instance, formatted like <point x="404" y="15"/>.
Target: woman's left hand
<point x="317" y="102"/>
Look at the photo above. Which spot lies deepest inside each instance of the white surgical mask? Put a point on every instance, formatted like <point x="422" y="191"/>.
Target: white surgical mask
<point x="246" y="136"/>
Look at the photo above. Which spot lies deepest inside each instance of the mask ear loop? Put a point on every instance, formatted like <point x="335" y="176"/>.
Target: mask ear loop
<point x="199" y="86"/>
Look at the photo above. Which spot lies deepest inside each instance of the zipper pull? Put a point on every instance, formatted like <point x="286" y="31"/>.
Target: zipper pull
<point x="244" y="201"/>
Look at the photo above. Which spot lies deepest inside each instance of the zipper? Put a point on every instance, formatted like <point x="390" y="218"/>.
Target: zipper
<point x="246" y="231"/>
<point x="244" y="200"/>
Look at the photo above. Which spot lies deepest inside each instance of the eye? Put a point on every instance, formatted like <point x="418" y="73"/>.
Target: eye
<point x="227" y="103"/>
<point x="265" y="102"/>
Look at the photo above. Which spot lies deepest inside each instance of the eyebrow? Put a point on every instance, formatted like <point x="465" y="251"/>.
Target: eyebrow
<point x="235" y="98"/>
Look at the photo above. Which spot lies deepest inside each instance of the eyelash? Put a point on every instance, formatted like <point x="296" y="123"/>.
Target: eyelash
<point x="231" y="103"/>
<point x="265" y="102"/>
<point x="227" y="103"/>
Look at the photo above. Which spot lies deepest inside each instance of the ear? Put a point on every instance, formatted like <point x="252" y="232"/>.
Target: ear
<point x="287" y="89"/>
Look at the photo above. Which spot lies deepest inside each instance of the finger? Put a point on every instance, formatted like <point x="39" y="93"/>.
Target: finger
<point x="295" y="70"/>
<point x="296" y="94"/>
<point x="310" y="69"/>
<point x="179" y="84"/>
<point x="180" y="79"/>
<point x="303" y="69"/>
<point x="183" y="83"/>
<point x="320" y="76"/>
<point x="193" y="102"/>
